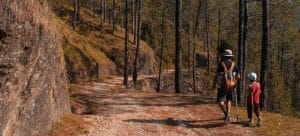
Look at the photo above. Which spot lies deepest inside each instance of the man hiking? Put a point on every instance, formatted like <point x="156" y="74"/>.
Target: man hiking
<point x="225" y="80"/>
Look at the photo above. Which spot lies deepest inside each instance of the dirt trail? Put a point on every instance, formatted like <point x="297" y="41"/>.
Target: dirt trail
<point x="115" y="112"/>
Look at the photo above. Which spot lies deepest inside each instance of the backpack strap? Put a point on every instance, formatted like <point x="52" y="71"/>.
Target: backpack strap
<point x="224" y="66"/>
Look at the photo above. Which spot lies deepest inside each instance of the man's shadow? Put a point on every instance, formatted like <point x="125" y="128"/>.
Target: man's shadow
<point x="214" y="123"/>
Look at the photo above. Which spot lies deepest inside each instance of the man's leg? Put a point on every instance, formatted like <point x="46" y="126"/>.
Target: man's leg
<point x="228" y="106"/>
<point x="221" y="98"/>
<point x="223" y="107"/>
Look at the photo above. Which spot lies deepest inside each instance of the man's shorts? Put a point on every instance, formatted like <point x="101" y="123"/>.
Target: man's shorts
<point x="222" y="96"/>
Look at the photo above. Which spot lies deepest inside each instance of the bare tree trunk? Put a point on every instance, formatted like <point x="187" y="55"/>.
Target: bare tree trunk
<point x="194" y="44"/>
<point x="114" y="16"/>
<point x="135" y="71"/>
<point x="134" y="25"/>
<point x="240" y="48"/>
<point x="294" y="88"/>
<point x="189" y="47"/>
<point x="126" y="46"/>
<point x="75" y="14"/>
<point x="219" y="31"/>
<point x="94" y="7"/>
<point x="245" y="34"/>
<point x="161" y="51"/>
<point x="78" y="10"/>
<point x="104" y="11"/>
<point x="207" y="36"/>
<point x="282" y="58"/>
<point x="178" y="73"/>
<point x="265" y="60"/>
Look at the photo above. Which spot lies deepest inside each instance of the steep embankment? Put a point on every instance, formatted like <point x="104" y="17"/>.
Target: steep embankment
<point x="33" y="82"/>
<point x="92" y="51"/>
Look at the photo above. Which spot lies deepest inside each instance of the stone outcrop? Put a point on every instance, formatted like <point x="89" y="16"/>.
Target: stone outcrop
<point x="33" y="81"/>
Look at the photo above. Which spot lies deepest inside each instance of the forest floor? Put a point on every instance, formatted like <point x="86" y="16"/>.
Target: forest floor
<point x="105" y="108"/>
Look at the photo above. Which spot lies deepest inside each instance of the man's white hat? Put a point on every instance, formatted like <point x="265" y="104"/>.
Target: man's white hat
<point x="228" y="53"/>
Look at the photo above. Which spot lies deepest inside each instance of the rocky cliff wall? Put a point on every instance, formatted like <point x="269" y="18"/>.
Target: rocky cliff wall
<point x="33" y="83"/>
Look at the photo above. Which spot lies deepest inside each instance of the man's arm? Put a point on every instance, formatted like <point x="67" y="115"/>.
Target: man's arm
<point x="215" y="80"/>
<point x="238" y="74"/>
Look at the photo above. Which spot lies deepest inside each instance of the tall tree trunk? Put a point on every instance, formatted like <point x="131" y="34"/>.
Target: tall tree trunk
<point x="245" y="35"/>
<point x="240" y="48"/>
<point x="265" y="60"/>
<point x="189" y="47"/>
<point x="207" y="36"/>
<point x="102" y="12"/>
<point x="161" y="50"/>
<point x="114" y="16"/>
<point x="78" y="10"/>
<point x="126" y="46"/>
<point x="135" y="70"/>
<point x="75" y="14"/>
<point x="294" y="89"/>
<point x="194" y="44"/>
<point x="219" y="32"/>
<point x="134" y="25"/>
<point x="282" y="58"/>
<point x="178" y="73"/>
<point x="94" y="8"/>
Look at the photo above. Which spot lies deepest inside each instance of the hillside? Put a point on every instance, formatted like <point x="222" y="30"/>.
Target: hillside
<point x="93" y="52"/>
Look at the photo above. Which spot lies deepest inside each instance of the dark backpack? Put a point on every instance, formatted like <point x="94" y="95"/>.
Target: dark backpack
<point x="228" y="81"/>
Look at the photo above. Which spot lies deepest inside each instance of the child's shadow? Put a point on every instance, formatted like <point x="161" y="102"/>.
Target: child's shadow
<point x="242" y="123"/>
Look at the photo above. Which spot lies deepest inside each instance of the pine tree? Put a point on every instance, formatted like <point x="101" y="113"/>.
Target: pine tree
<point x="135" y="70"/>
<point x="265" y="52"/>
<point x="126" y="45"/>
<point x="178" y="46"/>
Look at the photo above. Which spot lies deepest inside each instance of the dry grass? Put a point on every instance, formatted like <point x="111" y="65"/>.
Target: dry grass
<point x="70" y="125"/>
<point x="274" y="124"/>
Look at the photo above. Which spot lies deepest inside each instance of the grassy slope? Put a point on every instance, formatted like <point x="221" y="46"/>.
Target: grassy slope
<point x="92" y="52"/>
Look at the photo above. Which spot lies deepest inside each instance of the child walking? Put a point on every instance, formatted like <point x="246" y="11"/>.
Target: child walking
<point x="254" y="99"/>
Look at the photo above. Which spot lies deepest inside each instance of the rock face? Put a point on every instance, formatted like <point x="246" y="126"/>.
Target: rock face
<point x="33" y="83"/>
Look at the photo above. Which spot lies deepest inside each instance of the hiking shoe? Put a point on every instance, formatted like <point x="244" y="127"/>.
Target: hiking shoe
<point x="259" y="122"/>
<point x="250" y="122"/>
<point x="227" y="119"/>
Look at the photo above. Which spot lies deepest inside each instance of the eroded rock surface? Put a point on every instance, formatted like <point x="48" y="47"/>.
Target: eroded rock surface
<point x="33" y="83"/>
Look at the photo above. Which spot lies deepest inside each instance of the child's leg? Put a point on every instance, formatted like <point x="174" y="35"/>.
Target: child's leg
<point x="249" y="110"/>
<point x="257" y="110"/>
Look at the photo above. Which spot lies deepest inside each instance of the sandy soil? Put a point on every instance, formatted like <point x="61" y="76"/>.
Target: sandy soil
<point x="113" y="111"/>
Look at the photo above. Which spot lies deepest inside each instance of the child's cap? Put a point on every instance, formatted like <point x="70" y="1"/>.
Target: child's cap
<point x="252" y="76"/>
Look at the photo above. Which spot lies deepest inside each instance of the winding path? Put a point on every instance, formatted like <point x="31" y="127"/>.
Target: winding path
<point x="116" y="112"/>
